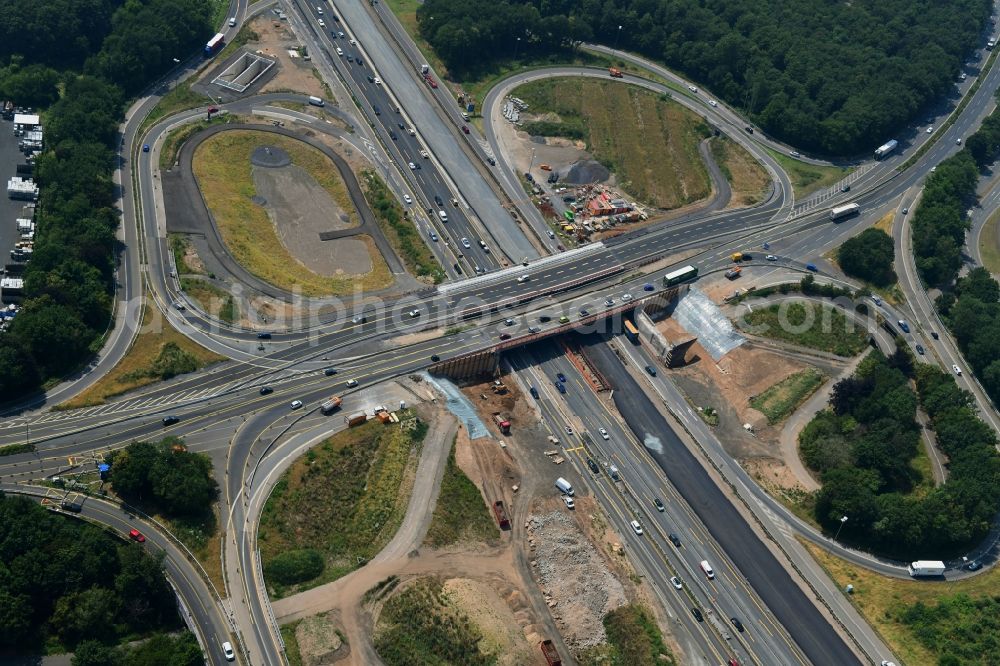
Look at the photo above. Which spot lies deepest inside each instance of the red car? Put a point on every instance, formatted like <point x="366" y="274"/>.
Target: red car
<point x="136" y="535"/>
<point x="465" y="128"/>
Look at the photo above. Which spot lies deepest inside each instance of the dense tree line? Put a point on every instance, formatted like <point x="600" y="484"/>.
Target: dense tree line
<point x="869" y="256"/>
<point x="64" y="581"/>
<point x="160" y="650"/>
<point x="61" y="33"/>
<point x="940" y="221"/>
<point x="972" y="312"/>
<point x="70" y="280"/>
<point x="826" y="76"/>
<point x="163" y="476"/>
<point x="862" y="449"/>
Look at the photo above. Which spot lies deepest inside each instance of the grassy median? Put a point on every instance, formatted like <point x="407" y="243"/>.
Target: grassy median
<point x="807" y="178"/>
<point x="747" y="178"/>
<point x="811" y="325"/>
<point x="337" y="505"/>
<point x="159" y="352"/>
<point x="222" y="166"/>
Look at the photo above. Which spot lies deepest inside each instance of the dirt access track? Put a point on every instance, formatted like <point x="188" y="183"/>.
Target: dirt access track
<point x="520" y="591"/>
<point x="187" y="213"/>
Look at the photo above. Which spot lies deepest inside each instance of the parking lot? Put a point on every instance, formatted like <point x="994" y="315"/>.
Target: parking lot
<point x="10" y="209"/>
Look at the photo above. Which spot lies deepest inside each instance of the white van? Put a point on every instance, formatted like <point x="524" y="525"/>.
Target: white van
<point x="232" y="22"/>
<point x="564" y="486"/>
<point x="443" y="215"/>
<point x="707" y="568"/>
<point x="316" y="101"/>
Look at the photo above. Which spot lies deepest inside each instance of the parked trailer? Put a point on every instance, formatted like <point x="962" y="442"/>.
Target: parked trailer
<point x="840" y="212"/>
<point x="886" y="148"/>
<point x="215" y="45"/>
<point x="330" y="405"/>
<point x="551" y="654"/>
<point x="680" y="275"/>
<point x="355" y="419"/>
<point x="501" y="513"/>
<point x="926" y="568"/>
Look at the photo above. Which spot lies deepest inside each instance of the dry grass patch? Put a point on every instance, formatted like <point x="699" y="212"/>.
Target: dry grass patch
<point x="747" y="178"/>
<point x="210" y="299"/>
<point x="154" y="347"/>
<point x="222" y="166"/>
<point x="648" y="141"/>
<point x="885" y="222"/>
<point x="882" y="600"/>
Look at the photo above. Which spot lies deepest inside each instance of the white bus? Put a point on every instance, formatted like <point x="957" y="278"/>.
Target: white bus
<point x="846" y="210"/>
<point x="680" y="275"/>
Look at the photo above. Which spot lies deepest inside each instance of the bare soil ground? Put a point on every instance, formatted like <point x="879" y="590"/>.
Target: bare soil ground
<point x="301" y="210"/>
<point x="318" y="641"/>
<point x="728" y="386"/>
<point x="500" y="613"/>
<point x="276" y="38"/>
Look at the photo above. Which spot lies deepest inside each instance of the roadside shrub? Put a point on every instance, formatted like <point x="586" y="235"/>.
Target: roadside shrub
<point x="295" y="566"/>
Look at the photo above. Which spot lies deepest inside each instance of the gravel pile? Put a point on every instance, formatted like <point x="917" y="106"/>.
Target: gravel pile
<point x="578" y="586"/>
<point x="585" y="172"/>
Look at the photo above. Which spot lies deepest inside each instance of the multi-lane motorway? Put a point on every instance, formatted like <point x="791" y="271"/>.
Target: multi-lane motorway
<point x="420" y="125"/>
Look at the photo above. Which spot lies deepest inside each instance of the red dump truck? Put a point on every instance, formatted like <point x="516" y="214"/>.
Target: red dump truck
<point x="356" y="419"/>
<point x="615" y="72"/>
<point x="331" y="405"/>
<point x="550" y="652"/>
<point x="501" y="513"/>
<point x="502" y="423"/>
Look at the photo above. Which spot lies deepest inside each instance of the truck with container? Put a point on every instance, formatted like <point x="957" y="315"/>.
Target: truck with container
<point x="733" y="273"/>
<point x="500" y="511"/>
<point x="615" y="72"/>
<point x="215" y="45"/>
<point x="550" y="653"/>
<point x="502" y="423"/>
<point x="330" y="405"/>
<point x="926" y="568"/>
<point x="883" y="151"/>
<point x="840" y="212"/>
<point x="355" y="419"/>
<point x="736" y="256"/>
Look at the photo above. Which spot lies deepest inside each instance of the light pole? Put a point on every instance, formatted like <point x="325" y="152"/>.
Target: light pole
<point x="517" y="47"/>
<point x="617" y="37"/>
<point x="843" y="519"/>
<point x="532" y="164"/>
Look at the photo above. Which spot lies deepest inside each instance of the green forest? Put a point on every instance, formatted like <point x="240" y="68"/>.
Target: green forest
<point x="832" y="77"/>
<point x="81" y="60"/>
<point x="862" y="449"/>
<point x="66" y="584"/>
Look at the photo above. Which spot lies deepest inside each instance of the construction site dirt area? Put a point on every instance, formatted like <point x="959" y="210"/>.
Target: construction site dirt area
<point x="276" y="39"/>
<point x="729" y="385"/>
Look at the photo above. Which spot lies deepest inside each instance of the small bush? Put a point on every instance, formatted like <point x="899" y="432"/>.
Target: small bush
<point x="296" y="566"/>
